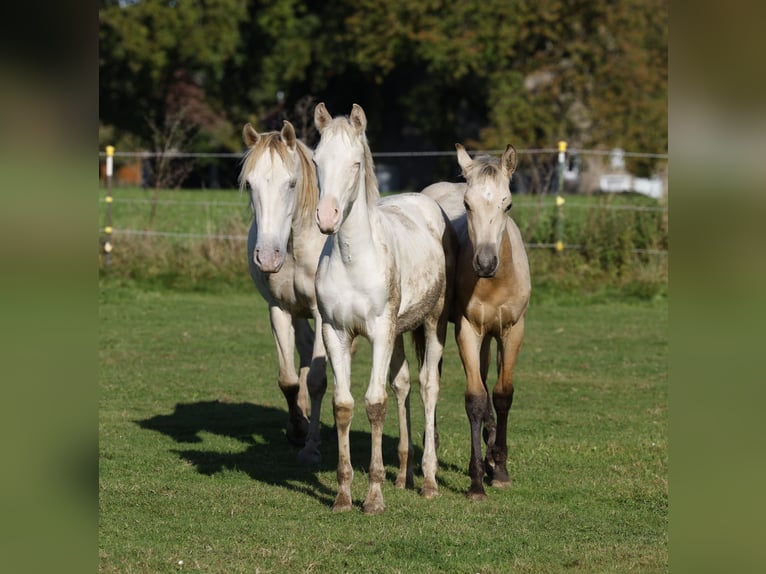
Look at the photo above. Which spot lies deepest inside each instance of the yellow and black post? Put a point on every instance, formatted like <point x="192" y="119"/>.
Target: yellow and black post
<point x="560" y="199"/>
<point x="108" y="200"/>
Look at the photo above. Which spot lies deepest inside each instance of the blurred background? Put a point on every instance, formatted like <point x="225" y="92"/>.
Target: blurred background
<point x="184" y="77"/>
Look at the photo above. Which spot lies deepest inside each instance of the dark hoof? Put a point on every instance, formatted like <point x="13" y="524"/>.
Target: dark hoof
<point x="297" y="436"/>
<point x="309" y="455"/>
<point x="477" y="495"/>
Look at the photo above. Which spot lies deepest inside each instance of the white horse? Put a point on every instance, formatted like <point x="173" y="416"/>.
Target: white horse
<point x="491" y="296"/>
<point x="384" y="272"/>
<point x="283" y="249"/>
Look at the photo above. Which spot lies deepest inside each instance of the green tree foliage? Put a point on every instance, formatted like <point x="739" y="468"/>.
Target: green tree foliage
<point x="428" y="72"/>
<point x="159" y="58"/>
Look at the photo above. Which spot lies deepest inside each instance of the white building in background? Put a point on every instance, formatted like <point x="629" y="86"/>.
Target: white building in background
<point x="618" y="181"/>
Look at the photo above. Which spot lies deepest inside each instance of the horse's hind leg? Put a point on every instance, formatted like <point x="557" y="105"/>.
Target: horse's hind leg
<point x="312" y="353"/>
<point x="289" y="383"/>
<point x="400" y="382"/>
<point x="502" y="398"/>
<point x="435" y="332"/>
<point x="488" y="419"/>
<point x="304" y="342"/>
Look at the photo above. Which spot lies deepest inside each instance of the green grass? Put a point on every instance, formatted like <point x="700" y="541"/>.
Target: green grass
<point x="617" y="253"/>
<point x="194" y="466"/>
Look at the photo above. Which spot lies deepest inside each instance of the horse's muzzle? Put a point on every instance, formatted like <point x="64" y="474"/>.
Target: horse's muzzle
<point x="268" y="259"/>
<point x="485" y="261"/>
<point x="328" y="215"/>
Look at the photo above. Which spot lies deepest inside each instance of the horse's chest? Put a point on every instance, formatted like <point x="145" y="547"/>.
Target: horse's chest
<point x="493" y="309"/>
<point x="288" y="288"/>
<point x="348" y="299"/>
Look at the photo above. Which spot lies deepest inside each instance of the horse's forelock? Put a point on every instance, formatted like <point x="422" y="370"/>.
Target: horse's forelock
<point x="341" y="125"/>
<point x="308" y="192"/>
<point x="485" y="167"/>
<point x="267" y="141"/>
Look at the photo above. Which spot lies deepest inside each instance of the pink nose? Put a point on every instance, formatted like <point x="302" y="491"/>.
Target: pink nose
<point x="268" y="260"/>
<point x="328" y="215"/>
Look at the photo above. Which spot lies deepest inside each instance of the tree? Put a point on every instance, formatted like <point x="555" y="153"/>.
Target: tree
<point x="151" y="51"/>
<point x="428" y="72"/>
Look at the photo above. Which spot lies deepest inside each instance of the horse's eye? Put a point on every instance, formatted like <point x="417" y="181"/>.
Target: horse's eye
<point x="510" y="205"/>
<point x="293" y="182"/>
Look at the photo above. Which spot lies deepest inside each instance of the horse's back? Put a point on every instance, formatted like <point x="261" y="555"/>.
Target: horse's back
<point x="415" y="231"/>
<point x="407" y="215"/>
<point x="449" y="196"/>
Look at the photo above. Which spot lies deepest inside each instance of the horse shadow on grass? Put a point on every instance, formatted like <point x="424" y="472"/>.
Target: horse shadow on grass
<point x="267" y="455"/>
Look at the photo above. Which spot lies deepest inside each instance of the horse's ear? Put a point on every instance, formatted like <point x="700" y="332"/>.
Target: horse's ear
<point x="321" y="117"/>
<point x="358" y="119"/>
<point x="288" y="134"/>
<point x="249" y="135"/>
<point x="463" y="158"/>
<point x="508" y="161"/>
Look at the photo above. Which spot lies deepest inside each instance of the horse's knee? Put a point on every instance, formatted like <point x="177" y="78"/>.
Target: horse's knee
<point x="317" y="381"/>
<point x="475" y="406"/>
<point x="502" y="397"/>
<point x="376" y="412"/>
<point x="289" y="385"/>
<point x="343" y="412"/>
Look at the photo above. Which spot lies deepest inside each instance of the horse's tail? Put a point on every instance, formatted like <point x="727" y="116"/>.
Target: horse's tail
<point x="419" y="341"/>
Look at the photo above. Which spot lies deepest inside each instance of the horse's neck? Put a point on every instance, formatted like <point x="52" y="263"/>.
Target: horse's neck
<point x="355" y="234"/>
<point x="505" y="255"/>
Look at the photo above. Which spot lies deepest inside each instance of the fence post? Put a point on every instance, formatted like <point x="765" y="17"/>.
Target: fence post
<point x="560" y="199"/>
<point x="108" y="200"/>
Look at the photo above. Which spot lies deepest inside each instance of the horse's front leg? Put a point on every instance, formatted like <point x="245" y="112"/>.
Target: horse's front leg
<point x="469" y="344"/>
<point x="338" y="348"/>
<point x="289" y="383"/>
<point x="400" y="383"/>
<point x="502" y="399"/>
<point x="382" y="338"/>
<point x="317" y="385"/>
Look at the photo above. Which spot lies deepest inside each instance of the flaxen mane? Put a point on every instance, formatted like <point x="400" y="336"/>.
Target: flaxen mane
<point x="308" y="191"/>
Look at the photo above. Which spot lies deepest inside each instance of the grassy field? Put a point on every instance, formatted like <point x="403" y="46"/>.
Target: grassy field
<point x="224" y="211"/>
<point x="615" y="243"/>
<point x="195" y="473"/>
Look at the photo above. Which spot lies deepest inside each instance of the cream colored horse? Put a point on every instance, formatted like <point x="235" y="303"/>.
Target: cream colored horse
<point x="383" y="273"/>
<point x="283" y="249"/>
<point x="492" y="289"/>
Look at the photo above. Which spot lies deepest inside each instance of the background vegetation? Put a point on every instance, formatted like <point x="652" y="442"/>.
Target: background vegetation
<point x="428" y="73"/>
<point x="617" y="244"/>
